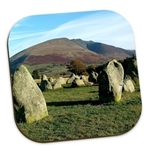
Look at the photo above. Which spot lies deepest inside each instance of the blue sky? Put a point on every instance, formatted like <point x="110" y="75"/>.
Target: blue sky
<point x="100" y="26"/>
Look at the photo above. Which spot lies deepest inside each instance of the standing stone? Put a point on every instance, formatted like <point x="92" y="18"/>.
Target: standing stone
<point x="61" y="80"/>
<point x="44" y="77"/>
<point x="128" y="84"/>
<point x="111" y="81"/>
<point x="28" y="95"/>
<point x="51" y="80"/>
<point x="57" y="85"/>
<point x="78" y="83"/>
<point x="49" y="85"/>
<point x="77" y="77"/>
<point x="131" y="69"/>
<point x="45" y="85"/>
<point x="93" y="77"/>
<point x="85" y="80"/>
<point x="71" y="78"/>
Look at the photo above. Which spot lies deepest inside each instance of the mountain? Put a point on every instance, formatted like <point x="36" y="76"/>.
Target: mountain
<point x="63" y="50"/>
<point x="108" y="51"/>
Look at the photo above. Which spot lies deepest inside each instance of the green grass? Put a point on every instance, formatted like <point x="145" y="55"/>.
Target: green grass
<point x="68" y="94"/>
<point x="75" y="113"/>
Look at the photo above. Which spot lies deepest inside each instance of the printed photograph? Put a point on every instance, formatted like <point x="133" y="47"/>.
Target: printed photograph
<point x="74" y="76"/>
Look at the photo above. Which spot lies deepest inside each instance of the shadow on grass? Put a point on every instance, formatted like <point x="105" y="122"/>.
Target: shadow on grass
<point x="72" y="86"/>
<point x="93" y="92"/>
<point x="72" y="103"/>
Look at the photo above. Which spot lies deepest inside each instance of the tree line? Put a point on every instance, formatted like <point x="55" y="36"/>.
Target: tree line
<point x="77" y="67"/>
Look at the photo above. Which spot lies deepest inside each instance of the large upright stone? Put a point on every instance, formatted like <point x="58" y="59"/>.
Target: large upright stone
<point x="27" y="94"/>
<point x="111" y="81"/>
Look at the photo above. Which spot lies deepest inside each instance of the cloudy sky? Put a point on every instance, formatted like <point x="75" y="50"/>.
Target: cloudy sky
<point x="100" y="26"/>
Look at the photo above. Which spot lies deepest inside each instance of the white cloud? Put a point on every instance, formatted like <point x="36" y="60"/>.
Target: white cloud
<point x="23" y="22"/>
<point x="110" y="29"/>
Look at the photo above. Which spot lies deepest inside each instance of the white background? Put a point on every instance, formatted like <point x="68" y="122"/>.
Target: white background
<point x="136" y="12"/>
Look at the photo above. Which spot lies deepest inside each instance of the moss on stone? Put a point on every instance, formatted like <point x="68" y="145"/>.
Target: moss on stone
<point x="118" y="98"/>
<point x="30" y="119"/>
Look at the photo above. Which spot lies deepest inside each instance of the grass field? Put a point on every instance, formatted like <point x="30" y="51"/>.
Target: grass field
<point x="49" y="69"/>
<point x="75" y="113"/>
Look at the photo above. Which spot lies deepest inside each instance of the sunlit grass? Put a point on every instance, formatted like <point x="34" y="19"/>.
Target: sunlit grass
<point x="71" y="119"/>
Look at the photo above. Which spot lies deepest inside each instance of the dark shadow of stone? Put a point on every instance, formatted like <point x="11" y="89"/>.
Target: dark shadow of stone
<point x="18" y="112"/>
<point x="71" y="103"/>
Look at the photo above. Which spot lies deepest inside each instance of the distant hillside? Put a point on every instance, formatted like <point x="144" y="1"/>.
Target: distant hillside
<point x="108" y="51"/>
<point x="63" y="50"/>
